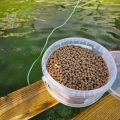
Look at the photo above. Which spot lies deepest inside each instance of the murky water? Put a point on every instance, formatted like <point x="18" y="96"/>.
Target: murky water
<point x="25" y="24"/>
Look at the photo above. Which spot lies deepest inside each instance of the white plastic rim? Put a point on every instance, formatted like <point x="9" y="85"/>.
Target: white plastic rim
<point x="77" y="41"/>
<point x="112" y="91"/>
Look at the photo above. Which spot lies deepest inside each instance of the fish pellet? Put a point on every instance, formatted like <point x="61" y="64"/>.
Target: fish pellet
<point x="77" y="68"/>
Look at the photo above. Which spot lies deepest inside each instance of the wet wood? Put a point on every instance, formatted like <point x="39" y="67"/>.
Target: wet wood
<point x="26" y="102"/>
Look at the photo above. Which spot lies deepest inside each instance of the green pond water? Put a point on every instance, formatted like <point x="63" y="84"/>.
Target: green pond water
<point x="24" y="26"/>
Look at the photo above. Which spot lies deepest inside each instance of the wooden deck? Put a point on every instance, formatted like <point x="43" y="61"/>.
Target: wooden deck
<point x="108" y="108"/>
<point x="26" y="102"/>
<point x="34" y="99"/>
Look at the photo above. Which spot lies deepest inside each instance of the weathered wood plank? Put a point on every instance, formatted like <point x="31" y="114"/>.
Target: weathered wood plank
<point x="26" y="102"/>
<point x="108" y="108"/>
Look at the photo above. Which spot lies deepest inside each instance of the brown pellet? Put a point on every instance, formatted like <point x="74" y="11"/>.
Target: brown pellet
<point x="77" y="68"/>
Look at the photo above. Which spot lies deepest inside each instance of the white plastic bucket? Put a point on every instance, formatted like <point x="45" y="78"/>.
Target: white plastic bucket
<point x="72" y="97"/>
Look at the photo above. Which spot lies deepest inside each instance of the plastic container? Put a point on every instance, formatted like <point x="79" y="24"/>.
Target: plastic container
<point x="115" y="89"/>
<point x="78" y="98"/>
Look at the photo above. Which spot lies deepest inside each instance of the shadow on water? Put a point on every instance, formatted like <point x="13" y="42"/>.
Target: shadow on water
<point x="25" y="24"/>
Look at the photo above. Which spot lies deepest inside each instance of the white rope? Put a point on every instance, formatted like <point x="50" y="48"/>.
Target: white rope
<point x="28" y="75"/>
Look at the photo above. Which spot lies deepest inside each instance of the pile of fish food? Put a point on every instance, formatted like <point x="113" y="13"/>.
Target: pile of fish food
<point x="77" y="68"/>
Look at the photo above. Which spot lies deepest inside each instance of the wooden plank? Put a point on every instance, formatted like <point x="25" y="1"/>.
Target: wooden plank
<point x="26" y="102"/>
<point x="108" y="108"/>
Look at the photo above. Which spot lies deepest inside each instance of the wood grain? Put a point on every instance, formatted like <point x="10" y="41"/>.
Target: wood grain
<point x="108" y="108"/>
<point x="26" y="102"/>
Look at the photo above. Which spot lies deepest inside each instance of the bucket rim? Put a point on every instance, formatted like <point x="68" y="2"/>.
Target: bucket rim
<point x="63" y="88"/>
